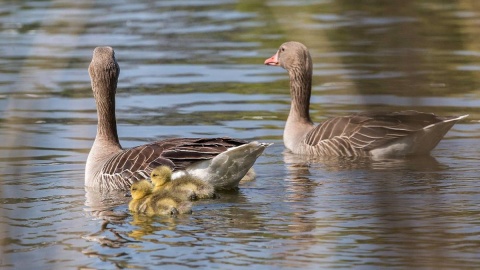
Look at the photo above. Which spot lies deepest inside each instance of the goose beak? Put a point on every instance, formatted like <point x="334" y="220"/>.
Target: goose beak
<point x="272" y="61"/>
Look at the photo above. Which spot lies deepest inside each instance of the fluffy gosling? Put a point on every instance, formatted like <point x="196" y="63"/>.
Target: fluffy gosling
<point x="186" y="186"/>
<point x="158" y="203"/>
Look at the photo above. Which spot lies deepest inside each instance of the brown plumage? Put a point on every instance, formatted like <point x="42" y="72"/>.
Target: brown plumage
<point x="111" y="167"/>
<point x="377" y="134"/>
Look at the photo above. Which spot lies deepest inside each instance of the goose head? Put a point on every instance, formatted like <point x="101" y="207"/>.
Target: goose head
<point x="161" y="175"/>
<point x="104" y="72"/>
<point x="292" y="56"/>
<point x="140" y="189"/>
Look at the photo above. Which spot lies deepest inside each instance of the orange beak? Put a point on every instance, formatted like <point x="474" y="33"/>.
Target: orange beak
<point x="272" y="61"/>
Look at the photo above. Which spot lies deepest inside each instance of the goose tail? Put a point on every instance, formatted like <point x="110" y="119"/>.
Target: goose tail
<point x="420" y="142"/>
<point x="227" y="169"/>
<point x="433" y="134"/>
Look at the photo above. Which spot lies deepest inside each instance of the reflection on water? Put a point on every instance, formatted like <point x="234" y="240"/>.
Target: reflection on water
<point x="352" y="163"/>
<point x="195" y="68"/>
<point x="393" y="208"/>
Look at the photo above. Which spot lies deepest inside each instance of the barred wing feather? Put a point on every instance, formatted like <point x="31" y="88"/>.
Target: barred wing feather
<point x="137" y="163"/>
<point x="362" y="132"/>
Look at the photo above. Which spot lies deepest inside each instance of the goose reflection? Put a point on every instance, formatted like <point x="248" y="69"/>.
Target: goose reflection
<point x="102" y="204"/>
<point x="393" y="191"/>
<point x="416" y="163"/>
<point x="300" y="192"/>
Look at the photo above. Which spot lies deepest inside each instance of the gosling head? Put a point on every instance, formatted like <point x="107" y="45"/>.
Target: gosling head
<point x="161" y="175"/>
<point x="140" y="189"/>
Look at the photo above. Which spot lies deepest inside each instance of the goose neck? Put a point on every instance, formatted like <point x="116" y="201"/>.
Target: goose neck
<point x="107" y="124"/>
<point x="300" y="91"/>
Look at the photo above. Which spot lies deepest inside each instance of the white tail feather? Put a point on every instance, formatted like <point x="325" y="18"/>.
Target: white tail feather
<point x="228" y="168"/>
<point x="419" y="143"/>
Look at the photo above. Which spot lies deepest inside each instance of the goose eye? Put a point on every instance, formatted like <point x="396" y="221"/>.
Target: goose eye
<point x="283" y="49"/>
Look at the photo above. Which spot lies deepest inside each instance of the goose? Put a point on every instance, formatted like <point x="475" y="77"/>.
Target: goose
<point x="158" y="203"/>
<point x="375" y="134"/>
<point x="186" y="186"/>
<point x="222" y="162"/>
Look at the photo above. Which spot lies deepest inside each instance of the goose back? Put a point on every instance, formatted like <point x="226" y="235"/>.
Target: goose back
<point x="360" y="134"/>
<point x="130" y="165"/>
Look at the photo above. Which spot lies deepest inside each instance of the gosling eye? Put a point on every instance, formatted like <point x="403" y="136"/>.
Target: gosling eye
<point x="283" y="49"/>
<point x="154" y="175"/>
<point x="133" y="189"/>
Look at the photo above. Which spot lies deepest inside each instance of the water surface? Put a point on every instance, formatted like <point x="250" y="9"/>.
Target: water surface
<point x="195" y="68"/>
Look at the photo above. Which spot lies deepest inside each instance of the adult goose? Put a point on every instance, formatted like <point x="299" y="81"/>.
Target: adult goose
<point x="221" y="162"/>
<point x="373" y="134"/>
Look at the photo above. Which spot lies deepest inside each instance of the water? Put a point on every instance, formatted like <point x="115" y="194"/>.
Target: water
<point x="194" y="68"/>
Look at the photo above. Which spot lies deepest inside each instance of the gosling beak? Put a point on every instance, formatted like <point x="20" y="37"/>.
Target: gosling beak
<point x="272" y="61"/>
<point x="127" y="195"/>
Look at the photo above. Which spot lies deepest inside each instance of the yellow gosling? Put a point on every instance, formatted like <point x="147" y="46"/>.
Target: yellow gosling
<point x="160" y="203"/>
<point x="186" y="186"/>
<point x="140" y="192"/>
<point x="166" y="202"/>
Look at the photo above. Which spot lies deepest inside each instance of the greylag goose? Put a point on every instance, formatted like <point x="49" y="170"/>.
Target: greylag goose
<point x="373" y="134"/>
<point x="222" y="162"/>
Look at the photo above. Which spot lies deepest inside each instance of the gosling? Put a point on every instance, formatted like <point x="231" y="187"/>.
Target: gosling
<point x="158" y="203"/>
<point x="186" y="186"/>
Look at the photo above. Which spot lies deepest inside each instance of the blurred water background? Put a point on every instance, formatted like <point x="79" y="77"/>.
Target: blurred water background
<point x="195" y="68"/>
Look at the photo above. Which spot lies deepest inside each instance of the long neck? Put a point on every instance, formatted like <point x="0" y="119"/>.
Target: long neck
<point x="107" y="123"/>
<point x="106" y="142"/>
<point x="299" y="123"/>
<point x="104" y="72"/>
<point x="300" y="91"/>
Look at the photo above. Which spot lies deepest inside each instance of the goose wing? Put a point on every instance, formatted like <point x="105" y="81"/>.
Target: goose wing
<point x="136" y="163"/>
<point x="367" y="131"/>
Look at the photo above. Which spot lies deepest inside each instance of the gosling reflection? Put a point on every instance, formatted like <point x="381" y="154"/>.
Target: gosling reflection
<point x="231" y="215"/>
<point x="148" y="225"/>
